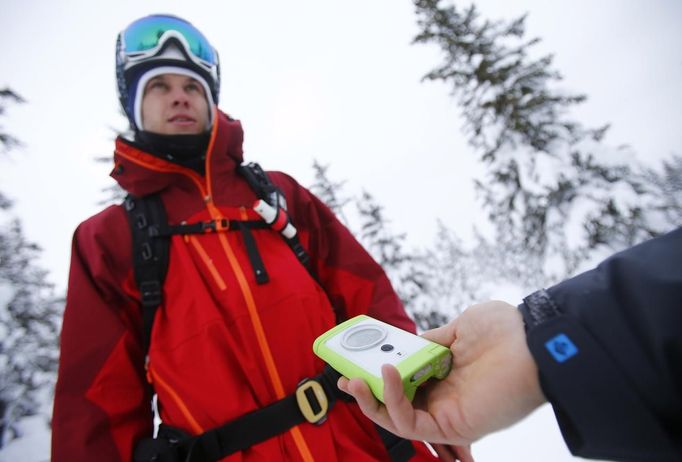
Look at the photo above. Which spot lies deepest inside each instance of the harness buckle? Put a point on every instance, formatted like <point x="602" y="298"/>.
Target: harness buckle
<point x="215" y="226"/>
<point x="222" y="224"/>
<point x="312" y="401"/>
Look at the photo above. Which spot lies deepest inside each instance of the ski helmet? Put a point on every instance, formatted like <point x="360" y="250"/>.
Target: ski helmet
<point x="158" y="44"/>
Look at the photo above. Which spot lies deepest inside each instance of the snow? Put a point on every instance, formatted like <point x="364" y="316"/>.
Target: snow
<point x="535" y="439"/>
<point x="33" y="446"/>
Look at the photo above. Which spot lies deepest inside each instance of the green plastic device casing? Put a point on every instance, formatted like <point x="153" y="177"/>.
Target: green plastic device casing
<point x="415" y="367"/>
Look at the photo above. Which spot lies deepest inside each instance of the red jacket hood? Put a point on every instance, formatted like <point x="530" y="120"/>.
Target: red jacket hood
<point x="141" y="173"/>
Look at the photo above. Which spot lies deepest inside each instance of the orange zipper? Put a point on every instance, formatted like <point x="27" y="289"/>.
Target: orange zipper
<point x="206" y="192"/>
<point x="196" y="428"/>
<point x="208" y="262"/>
<point x="270" y="366"/>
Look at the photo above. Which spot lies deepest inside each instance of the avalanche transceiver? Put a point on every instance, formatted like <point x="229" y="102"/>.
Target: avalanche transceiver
<point x="359" y="347"/>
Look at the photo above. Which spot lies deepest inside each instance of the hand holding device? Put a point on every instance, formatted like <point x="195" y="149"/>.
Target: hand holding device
<point x="493" y="383"/>
<point x="359" y="347"/>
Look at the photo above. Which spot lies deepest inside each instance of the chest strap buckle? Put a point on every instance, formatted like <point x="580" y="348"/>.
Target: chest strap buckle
<point x="312" y="401"/>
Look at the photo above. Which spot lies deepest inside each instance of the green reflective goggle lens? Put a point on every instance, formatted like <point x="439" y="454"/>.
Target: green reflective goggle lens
<point x="145" y="34"/>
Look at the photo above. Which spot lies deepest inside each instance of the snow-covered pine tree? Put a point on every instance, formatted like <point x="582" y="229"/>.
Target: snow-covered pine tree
<point x="553" y="189"/>
<point x="30" y="316"/>
<point x="329" y="192"/>
<point x="659" y="207"/>
<point x="406" y="269"/>
<point x="457" y="276"/>
<point x="8" y="141"/>
<point x="434" y="285"/>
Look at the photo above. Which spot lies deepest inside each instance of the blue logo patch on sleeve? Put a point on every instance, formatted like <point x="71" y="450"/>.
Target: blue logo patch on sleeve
<point x="561" y="348"/>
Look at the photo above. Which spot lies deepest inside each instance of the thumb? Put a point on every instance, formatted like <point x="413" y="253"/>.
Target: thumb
<point x="445" y="335"/>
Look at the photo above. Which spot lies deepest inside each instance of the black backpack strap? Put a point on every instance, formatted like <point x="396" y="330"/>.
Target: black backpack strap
<point x="146" y="216"/>
<point x="211" y="226"/>
<point x="266" y="190"/>
<point x="254" y="256"/>
<point x="311" y="402"/>
<point x="261" y="184"/>
<point x="399" y="449"/>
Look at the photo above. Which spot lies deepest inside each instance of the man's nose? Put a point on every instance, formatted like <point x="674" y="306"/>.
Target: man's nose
<point x="180" y="97"/>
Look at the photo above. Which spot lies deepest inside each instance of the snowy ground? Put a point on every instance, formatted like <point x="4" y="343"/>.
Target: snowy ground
<point x="34" y="447"/>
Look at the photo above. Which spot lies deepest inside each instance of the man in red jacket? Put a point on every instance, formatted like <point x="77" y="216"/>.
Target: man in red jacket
<point x="230" y="342"/>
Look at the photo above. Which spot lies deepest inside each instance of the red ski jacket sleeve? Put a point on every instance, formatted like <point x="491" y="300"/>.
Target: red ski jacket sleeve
<point x="102" y="325"/>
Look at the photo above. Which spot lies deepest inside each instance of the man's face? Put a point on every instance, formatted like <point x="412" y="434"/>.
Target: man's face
<point x="174" y="104"/>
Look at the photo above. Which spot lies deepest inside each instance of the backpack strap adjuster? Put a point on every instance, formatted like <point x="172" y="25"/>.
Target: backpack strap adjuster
<point x="151" y="293"/>
<point x="216" y="226"/>
<point x="312" y="401"/>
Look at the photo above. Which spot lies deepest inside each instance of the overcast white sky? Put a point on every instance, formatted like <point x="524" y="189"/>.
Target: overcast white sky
<point x="334" y="81"/>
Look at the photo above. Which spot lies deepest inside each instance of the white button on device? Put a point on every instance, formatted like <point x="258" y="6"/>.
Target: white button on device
<point x="363" y="337"/>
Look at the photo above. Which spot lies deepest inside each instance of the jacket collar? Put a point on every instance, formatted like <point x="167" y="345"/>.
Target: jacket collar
<point x="141" y="173"/>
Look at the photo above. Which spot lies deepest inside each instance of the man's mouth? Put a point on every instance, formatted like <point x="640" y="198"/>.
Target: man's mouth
<point x="182" y="119"/>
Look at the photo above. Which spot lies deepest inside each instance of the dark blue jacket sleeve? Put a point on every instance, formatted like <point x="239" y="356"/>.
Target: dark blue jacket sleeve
<point x="608" y="344"/>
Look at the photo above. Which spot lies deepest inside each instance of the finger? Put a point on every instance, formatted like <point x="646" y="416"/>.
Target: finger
<point x="445" y="335"/>
<point x="463" y="453"/>
<point x="409" y="422"/>
<point x="451" y="453"/>
<point x="342" y="383"/>
<point x="400" y="409"/>
<point x="445" y="452"/>
<point x="368" y="404"/>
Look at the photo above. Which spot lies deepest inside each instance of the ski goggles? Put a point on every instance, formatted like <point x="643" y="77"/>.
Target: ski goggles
<point x="145" y="37"/>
